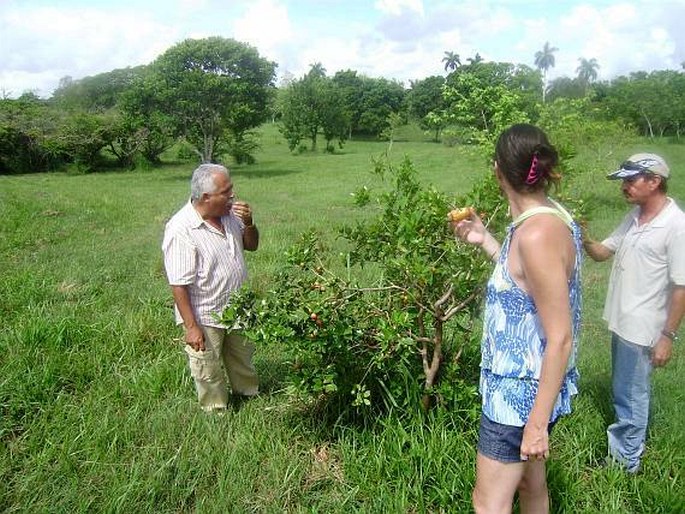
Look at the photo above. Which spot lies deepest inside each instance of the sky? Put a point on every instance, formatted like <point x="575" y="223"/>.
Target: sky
<point x="42" y="41"/>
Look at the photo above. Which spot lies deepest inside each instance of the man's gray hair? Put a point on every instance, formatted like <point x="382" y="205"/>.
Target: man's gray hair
<point x="203" y="180"/>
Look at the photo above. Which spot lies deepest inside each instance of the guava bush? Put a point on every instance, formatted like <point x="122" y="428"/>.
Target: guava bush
<point x="394" y="326"/>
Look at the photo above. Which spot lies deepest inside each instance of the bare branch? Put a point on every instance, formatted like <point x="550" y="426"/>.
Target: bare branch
<point x="444" y="297"/>
<point x="453" y="310"/>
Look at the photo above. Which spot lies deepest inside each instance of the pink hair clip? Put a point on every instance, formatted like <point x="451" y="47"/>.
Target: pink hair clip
<point x="533" y="171"/>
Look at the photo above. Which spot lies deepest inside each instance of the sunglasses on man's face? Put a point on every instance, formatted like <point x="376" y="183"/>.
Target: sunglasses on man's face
<point x="634" y="166"/>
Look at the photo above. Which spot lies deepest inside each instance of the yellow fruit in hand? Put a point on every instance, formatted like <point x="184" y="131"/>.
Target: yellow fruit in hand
<point x="457" y="215"/>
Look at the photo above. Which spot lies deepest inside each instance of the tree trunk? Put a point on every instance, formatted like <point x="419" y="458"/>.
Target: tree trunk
<point x="313" y="138"/>
<point x="649" y="124"/>
<point x="208" y="150"/>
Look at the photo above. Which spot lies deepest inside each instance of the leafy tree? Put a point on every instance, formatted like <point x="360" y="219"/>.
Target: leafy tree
<point x="36" y="136"/>
<point x="587" y="70"/>
<point x="146" y="117"/>
<point x="297" y="114"/>
<point x="317" y="70"/>
<point x="379" y="99"/>
<point x="28" y="127"/>
<point x="214" y="89"/>
<point x="564" y="87"/>
<point x="369" y="101"/>
<point x="676" y="114"/>
<point x="310" y="105"/>
<point x="575" y="123"/>
<point x="400" y="338"/>
<point x="482" y="103"/>
<point x="350" y="86"/>
<point x="401" y="332"/>
<point x="83" y="136"/>
<point x="518" y="78"/>
<point x="344" y="105"/>
<point x="335" y="118"/>
<point x="425" y="96"/>
<point x="395" y="121"/>
<point x="544" y="60"/>
<point x="475" y="59"/>
<point x="125" y="140"/>
<point x="666" y="92"/>
<point x="451" y="60"/>
<point x="97" y="93"/>
<point x="435" y="122"/>
<point x="426" y="104"/>
<point x="651" y="102"/>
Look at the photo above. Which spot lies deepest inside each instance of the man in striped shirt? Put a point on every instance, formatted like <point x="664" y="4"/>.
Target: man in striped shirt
<point x="203" y="257"/>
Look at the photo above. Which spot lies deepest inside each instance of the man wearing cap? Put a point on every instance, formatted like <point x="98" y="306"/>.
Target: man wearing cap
<point x="645" y="299"/>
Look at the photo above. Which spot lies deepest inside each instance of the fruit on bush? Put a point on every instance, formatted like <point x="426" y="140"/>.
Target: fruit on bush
<point x="457" y="215"/>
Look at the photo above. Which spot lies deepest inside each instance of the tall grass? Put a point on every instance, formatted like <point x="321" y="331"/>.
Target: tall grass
<point x="98" y="411"/>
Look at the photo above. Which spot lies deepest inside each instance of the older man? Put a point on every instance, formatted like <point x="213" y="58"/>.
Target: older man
<point x="203" y="257"/>
<point x="645" y="299"/>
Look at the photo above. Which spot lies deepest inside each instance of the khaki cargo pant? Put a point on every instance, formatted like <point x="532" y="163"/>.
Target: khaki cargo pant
<point x="226" y="353"/>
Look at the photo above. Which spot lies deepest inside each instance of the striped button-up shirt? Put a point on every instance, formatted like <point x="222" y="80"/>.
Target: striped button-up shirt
<point x="209" y="263"/>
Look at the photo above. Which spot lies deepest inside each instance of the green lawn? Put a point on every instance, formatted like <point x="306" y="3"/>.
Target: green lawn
<point x="99" y="413"/>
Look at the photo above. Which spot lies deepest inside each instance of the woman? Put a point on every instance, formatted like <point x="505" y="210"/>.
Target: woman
<point x="531" y="325"/>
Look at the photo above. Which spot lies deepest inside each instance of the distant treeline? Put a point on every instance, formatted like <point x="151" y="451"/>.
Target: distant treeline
<point x="205" y="98"/>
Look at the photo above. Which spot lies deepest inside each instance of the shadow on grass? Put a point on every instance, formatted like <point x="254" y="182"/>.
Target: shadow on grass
<point x="598" y="388"/>
<point x="181" y="172"/>
<point x="255" y="172"/>
<point x="272" y="371"/>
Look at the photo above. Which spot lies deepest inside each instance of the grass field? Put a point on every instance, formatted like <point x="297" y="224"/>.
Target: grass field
<point x="99" y="413"/>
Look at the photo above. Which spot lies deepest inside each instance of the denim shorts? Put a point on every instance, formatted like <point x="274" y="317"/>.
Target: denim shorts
<point x="501" y="442"/>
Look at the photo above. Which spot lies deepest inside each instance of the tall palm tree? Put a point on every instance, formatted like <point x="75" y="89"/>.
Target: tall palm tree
<point x="544" y="60"/>
<point x="316" y="70"/>
<point x="475" y="60"/>
<point x="451" y="60"/>
<point x="587" y="70"/>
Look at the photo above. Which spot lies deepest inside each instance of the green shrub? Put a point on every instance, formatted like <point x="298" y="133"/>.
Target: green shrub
<point x="401" y="336"/>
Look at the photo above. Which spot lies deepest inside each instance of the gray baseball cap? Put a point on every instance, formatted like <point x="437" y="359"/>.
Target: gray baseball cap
<point x="641" y="163"/>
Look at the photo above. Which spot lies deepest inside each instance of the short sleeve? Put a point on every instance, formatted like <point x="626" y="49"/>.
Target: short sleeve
<point x="614" y="240"/>
<point x="676" y="262"/>
<point x="180" y="258"/>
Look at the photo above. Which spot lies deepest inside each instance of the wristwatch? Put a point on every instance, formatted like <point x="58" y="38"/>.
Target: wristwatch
<point x="670" y="334"/>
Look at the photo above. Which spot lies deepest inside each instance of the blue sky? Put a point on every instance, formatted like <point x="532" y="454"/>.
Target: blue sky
<point x="42" y="41"/>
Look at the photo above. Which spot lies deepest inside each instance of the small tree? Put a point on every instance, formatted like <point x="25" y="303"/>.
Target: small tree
<point x="451" y="60"/>
<point x="401" y="337"/>
<point x="141" y="109"/>
<point x="544" y="60"/>
<point x="213" y="87"/>
<point x="426" y="104"/>
<point x="83" y="136"/>
<point x="28" y="136"/>
<point x="485" y="109"/>
<point x="311" y="105"/>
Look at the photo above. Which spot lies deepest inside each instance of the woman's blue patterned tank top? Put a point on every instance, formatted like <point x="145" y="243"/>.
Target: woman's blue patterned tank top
<point x="513" y="341"/>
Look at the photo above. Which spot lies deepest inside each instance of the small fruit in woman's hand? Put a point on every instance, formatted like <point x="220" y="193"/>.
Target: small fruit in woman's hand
<point x="457" y="215"/>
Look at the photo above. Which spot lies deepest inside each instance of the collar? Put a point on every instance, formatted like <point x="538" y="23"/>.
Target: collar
<point x="192" y="216"/>
<point x="661" y="219"/>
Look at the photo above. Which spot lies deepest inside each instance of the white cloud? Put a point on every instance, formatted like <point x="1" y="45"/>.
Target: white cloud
<point x="622" y="37"/>
<point x="399" y="7"/>
<point x="401" y="39"/>
<point x="45" y="44"/>
<point x="265" y="24"/>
